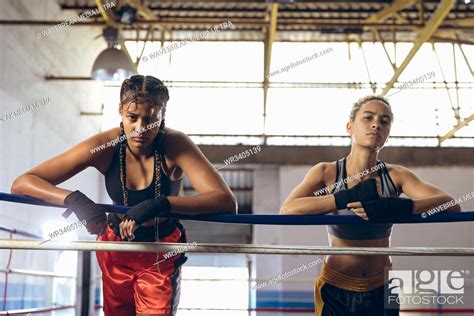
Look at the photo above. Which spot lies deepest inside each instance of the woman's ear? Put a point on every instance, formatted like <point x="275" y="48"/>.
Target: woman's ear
<point x="163" y="112"/>
<point x="349" y="127"/>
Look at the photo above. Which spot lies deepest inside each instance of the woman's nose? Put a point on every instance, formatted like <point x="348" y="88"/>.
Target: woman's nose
<point x="376" y="125"/>
<point x="139" y="124"/>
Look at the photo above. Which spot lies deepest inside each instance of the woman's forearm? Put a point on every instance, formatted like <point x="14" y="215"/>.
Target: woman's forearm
<point x="204" y="203"/>
<point x="38" y="188"/>
<point x="309" y="205"/>
<point x="422" y="205"/>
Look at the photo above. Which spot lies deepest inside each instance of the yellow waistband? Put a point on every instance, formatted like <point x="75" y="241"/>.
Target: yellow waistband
<point x="350" y="283"/>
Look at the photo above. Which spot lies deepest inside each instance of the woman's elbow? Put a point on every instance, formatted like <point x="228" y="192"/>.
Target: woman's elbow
<point x="228" y="203"/>
<point x="17" y="185"/>
<point x="285" y="209"/>
<point x="454" y="205"/>
<point x="455" y="208"/>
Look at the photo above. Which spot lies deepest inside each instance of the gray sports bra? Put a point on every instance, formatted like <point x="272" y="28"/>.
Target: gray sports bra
<point x="362" y="231"/>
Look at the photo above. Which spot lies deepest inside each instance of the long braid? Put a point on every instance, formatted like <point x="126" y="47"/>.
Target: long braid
<point x="157" y="177"/>
<point x="150" y="90"/>
<point x="123" y="169"/>
<point x="159" y="150"/>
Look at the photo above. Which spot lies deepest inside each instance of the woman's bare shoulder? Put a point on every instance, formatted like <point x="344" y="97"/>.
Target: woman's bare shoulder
<point x="177" y="141"/>
<point x="174" y="134"/>
<point x="101" y="146"/>
<point x="320" y="174"/>
<point x="324" y="167"/>
<point x="399" y="174"/>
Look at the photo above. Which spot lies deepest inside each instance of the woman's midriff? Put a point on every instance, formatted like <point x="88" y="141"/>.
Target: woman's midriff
<point x="359" y="265"/>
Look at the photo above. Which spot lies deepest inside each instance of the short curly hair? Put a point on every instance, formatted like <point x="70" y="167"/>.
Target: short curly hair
<point x="356" y="106"/>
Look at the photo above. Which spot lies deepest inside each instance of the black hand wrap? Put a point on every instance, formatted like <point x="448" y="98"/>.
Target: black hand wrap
<point x="388" y="208"/>
<point x="86" y="209"/>
<point x="149" y="209"/>
<point x="363" y="191"/>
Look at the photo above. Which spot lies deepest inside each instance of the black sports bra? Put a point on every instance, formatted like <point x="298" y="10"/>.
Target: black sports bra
<point x="113" y="185"/>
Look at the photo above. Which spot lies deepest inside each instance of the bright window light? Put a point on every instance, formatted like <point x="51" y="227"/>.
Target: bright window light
<point x="217" y="88"/>
<point x="214" y="291"/>
<point x="64" y="290"/>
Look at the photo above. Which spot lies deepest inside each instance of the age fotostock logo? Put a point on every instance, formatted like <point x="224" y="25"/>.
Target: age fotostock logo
<point x="425" y="287"/>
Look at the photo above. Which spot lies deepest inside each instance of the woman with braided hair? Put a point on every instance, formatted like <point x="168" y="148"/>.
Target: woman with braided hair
<point x="143" y="171"/>
<point x="361" y="184"/>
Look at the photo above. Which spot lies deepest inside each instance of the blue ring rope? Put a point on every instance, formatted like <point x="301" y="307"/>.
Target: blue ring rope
<point x="268" y="219"/>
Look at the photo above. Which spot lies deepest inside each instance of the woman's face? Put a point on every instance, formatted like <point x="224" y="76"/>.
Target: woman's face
<point x="371" y="125"/>
<point x="141" y="123"/>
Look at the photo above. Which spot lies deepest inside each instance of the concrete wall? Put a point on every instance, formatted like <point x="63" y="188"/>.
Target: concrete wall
<point x="35" y="136"/>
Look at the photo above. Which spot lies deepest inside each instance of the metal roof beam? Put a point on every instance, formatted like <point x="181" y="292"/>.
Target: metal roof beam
<point x="391" y="9"/>
<point x="424" y="35"/>
<point x="456" y="128"/>
<point x="269" y="39"/>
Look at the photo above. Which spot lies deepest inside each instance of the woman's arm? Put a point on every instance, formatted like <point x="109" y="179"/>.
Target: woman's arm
<point x="424" y="195"/>
<point x="41" y="182"/>
<point x="214" y="196"/>
<point x="302" y="199"/>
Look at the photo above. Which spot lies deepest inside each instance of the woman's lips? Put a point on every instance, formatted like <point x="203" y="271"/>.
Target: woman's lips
<point x="139" y="139"/>
<point x="374" y="135"/>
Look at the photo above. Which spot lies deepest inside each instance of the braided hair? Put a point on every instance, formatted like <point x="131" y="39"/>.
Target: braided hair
<point x="145" y="89"/>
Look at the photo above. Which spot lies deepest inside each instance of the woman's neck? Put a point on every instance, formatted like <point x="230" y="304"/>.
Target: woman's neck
<point x="141" y="154"/>
<point x="360" y="159"/>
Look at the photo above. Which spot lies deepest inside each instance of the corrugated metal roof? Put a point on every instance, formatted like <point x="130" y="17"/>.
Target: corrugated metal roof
<point x="297" y="21"/>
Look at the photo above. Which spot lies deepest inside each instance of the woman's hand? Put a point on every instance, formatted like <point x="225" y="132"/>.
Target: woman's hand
<point x="127" y="229"/>
<point x="149" y="209"/>
<point x="357" y="209"/>
<point x="383" y="209"/>
<point x="86" y="210"/>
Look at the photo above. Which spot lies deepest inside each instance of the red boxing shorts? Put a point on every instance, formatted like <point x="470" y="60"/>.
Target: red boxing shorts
<point x="133" y="282"/>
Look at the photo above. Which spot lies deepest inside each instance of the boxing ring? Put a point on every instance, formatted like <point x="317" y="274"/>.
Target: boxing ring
<point x="87" y="246"/>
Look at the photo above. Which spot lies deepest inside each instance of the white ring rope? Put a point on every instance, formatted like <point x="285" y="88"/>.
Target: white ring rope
<point x="233" y="248"/>
<point x="37" y="273"/>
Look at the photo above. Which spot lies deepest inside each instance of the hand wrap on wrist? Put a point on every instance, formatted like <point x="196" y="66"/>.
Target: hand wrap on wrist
<point x="149" y="209"/>
<point x="388" y="208"/>
<point x="86" y="209"/>
<point x="363" y="191"/>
